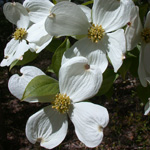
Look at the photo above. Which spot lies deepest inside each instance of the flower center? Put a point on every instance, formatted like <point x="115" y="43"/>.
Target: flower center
<point x="19" y="33"/>
<point x="61" y="103"/>
<point x="96" y="33"/>
<point x="146" y="35"/>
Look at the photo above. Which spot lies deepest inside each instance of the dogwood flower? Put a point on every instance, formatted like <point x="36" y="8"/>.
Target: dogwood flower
<point x="102" y="36"/>
<point x="78" y="81"/>
<point x="25" y="37"/>
<point x="38" y="11"/>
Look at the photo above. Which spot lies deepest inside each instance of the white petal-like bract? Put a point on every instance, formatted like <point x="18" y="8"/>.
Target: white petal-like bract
<point x="16" y="14"/>
<point x="78" y="79"/>
<point x="87" y="12"/>
<point x="95" y="53"/>
<point x="48" y="127"/>
<point x="21" y="49"/>
<point x="133" y="29"/>
<point x="117" y="48"/>
<point x="17" y="84"/>
<point x="14" y="50"/>
<point x="38" y="37"/>
<point x="9" y="52"/>
<point x="111" y="14"/>
<point x="38" y="9"/>
<point x="66" y="18"/>
<point x="89" y="120"/>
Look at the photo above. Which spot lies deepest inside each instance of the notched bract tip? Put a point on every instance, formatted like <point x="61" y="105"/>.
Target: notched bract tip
<point x="52" y="15"/>
<point x="123" y="57"/>
<point x="87" y="66"/>
<point x="6" y="57"/>
<point x="20" y="58"/>
<point x="13" y="3"/>
<point x="100" y="128"/>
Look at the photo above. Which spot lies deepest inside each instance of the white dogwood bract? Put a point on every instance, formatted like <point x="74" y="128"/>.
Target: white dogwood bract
<point x="133" y="29"/>
<point x="38" y="10"/>
<point x="25" y="37"/>
<point x="87" y="12"/>
<point x="38" y="37"/>
<point x="89" y="121"/>
<point x="90" y="51"/>
<point x="48" y="127"/>
<point x="17" y="84"/>
<point x="107" y="16"/>
<point x="75" y="75"/>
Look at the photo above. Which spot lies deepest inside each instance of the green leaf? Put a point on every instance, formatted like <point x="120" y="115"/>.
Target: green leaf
<point x="56" y="59"/>
<point x="108" y="79"/>
<point x="130" y="63"/>
<point x="131" y="55"/>
<point x="143" y="93"/>
<point x="50" y="69"/>
<point x="125" y="67"/>
<point x="28" y="57"/>
<point x="54" y="44"/>
<point x="134" y="61"/>
<point x="88" y="3"/>
<point x="134" y="67"/>
<point x="54" y="2"/>
<point x="42" y="85"/>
